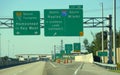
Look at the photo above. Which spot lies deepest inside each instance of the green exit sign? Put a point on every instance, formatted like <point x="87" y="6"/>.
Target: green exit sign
<point x="77" y="47"/>
<point x="63" y="22"/>
<point x="76" y="6"/>
<point x="26" y="22"/>
<point x="68" y="48"/>
<point x="103" y="53"/>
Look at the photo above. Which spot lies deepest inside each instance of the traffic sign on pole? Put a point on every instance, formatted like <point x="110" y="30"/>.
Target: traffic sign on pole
<point x="77" y="47"/>
<point x="26" y="22"/>
<point x="63" y="22"/>
<point x="58" y="56"/>
<point x="68" y="48"/>
<point x="103" y="53"/>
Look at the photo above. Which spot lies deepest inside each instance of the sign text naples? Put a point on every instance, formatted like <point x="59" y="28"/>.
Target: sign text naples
<point x="63" y="22"/>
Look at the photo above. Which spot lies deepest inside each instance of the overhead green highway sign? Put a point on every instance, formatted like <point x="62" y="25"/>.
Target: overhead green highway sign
<point x="77" y="47"/>
<point x="68" y="48"/>
<point x="26" y="22"/>
<point x="58" y="55"/>
<point x="63" y="22"/>
<point x="76" y="6"/>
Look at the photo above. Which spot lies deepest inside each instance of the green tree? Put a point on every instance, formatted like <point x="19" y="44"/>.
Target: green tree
<point x="96" y="43"/>
<point x="86" y="43"/>
<point x="118" y="39"/>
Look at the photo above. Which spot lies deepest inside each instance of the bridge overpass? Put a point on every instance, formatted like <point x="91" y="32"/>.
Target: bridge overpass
<point x="39" y="56"/>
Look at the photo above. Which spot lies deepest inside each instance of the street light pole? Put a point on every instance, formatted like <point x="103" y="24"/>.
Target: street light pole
<point x="0" y="45"/>
<point x="54" y="52"/>
<point x="102" y="33"/>
<point x="8" y="47"/>
<point x="114" y="31"/>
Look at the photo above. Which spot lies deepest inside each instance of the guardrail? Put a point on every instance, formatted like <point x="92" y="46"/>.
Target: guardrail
<point x="107" y="66"/>
<point x="8" y="64"/>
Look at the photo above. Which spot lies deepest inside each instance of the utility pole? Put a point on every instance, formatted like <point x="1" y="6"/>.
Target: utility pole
<point x="0" y="45"/>
<point x="8" y="47"/>
<point x="102" y="32"/>
<point x="13" y="49"/>
<point x="114" y="31"/>
<point x="54" y="52"/>
<point x="61" y="44"/>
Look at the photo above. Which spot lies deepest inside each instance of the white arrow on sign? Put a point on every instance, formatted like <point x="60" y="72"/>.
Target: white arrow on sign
<point x="55" y="34"/>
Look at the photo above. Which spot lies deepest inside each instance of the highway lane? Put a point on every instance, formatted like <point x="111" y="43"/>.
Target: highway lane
<point x="52" y="68"/>
<point x="62" y="69"/>
<point x="75" y="68"/>
<point x="27" y="69"/>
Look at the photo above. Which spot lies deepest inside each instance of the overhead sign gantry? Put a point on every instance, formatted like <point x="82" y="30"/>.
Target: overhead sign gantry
<point x="94" y="22"/>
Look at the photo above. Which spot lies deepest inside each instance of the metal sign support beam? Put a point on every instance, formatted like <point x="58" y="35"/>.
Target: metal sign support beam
<point x="110" y="61"/>
<point x="89" y="22"/>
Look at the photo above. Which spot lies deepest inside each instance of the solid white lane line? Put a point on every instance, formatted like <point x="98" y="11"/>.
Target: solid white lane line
<point x="53" y="65"/>
<point x="75" y="73"/>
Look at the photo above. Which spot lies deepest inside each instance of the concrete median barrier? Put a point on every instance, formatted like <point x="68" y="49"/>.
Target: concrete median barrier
<point x="84" y="58"/>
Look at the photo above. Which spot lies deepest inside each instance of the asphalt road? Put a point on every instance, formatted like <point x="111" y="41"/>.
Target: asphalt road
<point x="60" y="69"/>
<point x="52" y="68"/>
<point x="75" y="68"/>
<point x="27" y="69"/>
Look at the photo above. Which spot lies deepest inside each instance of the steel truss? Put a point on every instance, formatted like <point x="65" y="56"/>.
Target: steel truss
<point x="89" y="22"/>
